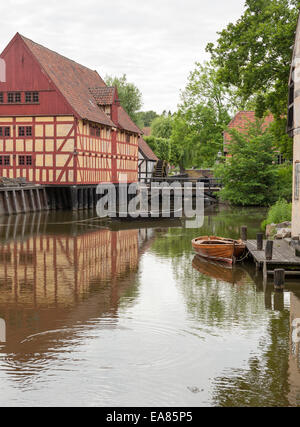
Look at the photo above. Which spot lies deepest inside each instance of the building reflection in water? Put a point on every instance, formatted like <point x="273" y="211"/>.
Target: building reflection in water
<point x="54" y="276"/>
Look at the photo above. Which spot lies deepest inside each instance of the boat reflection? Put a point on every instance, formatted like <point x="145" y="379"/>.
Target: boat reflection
<point x="235" y="275"/>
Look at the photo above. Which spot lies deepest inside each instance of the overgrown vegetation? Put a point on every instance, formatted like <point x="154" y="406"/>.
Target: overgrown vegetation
<point x="280" y="212"/>
<point x="130" y="96"/>
<point x="248" y="70"/>
<point x="160" y="146"/>
<point x="249" y="175"/>
<point x="254" y="56"/>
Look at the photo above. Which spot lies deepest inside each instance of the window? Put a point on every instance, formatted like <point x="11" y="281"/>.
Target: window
<point x="35" y="97"/>
<point x="28" y="160"/>
<point x="1" y="97"/>
<point x="14" y="97"/>
<point x="4" y="131"/>
<point x="31" y="97"/>
<point x="25" y="131"/>
<point x="28" y="97"/>
<point x="4" y="160"/>
<point x="127" y="137"/>
<point x="21" y="160"/>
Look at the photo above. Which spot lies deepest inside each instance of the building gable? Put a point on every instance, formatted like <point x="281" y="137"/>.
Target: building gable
<point x="24" y="74"/>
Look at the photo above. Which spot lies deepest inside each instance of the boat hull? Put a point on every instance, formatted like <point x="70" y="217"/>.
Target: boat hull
<point x="218" y="249"/>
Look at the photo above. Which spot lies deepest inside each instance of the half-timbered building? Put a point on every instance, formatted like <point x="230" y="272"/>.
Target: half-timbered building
<point x="60" y="124"/>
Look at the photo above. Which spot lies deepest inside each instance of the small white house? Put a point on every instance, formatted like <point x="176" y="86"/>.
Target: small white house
<point x="147" y="161"/>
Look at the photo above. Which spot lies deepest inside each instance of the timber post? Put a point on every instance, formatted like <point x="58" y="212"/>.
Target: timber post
<point x="269" y="250"/>
<point x="260" y="241"/>
<point x="74" y="198"/>
<point x="279" y="279"/>
<point x="244" y="233"/>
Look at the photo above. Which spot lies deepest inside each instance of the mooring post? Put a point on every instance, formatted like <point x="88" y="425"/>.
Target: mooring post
<point x="260" y="241"/>
<point x="279" y="279"/>
<point x="244" y="233"/>
<point x="269" y="250"/>
<point x="265" y="275"/>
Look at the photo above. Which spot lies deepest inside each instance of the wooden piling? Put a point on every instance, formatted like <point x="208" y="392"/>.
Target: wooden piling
<point x="260" y="241"/>
<point x="244" y="233"/>
<point x="279" y="279"/>
<point x="23" y="201"/>
<point x="74" y="198"/>
<point x="269" y="250"/>
<point x="38" y="198"/>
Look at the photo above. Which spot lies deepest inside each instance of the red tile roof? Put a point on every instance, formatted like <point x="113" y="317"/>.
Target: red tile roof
<point x="72" y="80"/>
<point x="241" y="122"/>
<point x="103" y="95"/>
<point x="125" y="121"/>
<point x="146" y="150"/>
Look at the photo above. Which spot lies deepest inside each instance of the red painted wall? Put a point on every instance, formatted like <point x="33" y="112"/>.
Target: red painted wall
<point x="23" y="73"/>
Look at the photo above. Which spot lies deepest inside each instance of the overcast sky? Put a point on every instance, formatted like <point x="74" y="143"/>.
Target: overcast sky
<point x="154" y="42"/>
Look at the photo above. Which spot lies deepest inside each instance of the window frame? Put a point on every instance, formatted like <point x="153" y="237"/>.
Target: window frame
<point x="11" y="97"/>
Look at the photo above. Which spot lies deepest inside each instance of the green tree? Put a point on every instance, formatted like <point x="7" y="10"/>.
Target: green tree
<point x="203" y="114"/>
<point x="161" y="127"/>
<point x="147" y="117"/>
<point x="249" y="176"/>
<point x="160" y="146"/>
<point x="254" y="55"/>
<point x="129" y="95"/>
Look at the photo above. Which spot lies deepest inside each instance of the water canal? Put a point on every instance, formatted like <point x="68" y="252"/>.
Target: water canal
<point x="107" y="315"/>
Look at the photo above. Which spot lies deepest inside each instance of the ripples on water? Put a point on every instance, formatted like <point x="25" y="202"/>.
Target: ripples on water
<point x="101" y="315"/>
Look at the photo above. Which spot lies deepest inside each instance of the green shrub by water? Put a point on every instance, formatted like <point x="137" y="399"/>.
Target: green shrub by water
<point x="280" y="212"/>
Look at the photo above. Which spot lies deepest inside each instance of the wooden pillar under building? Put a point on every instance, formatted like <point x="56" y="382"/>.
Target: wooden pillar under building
<point x="24" y="209"/>
<point x="85" y="198"/>
<point x="74" y="198"/>
<point x="32" y="201"/>
<point x="14" y="202"/>
<point x="53" y="199"/>
<point x="91" y="198"/>
<point x="45" y="199"/>
<point x="7" y="201"/>
<point x="38" y="198"/>
<point x="80" y="198"/>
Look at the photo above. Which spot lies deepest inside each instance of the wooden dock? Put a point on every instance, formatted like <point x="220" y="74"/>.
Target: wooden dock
<point x="283" y="257"/>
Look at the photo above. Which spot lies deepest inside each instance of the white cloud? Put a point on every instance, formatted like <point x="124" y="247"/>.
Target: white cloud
<point x="155" y="43"/>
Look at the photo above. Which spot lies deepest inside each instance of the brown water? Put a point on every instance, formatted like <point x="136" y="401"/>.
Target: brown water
<point x="102" y="315"/>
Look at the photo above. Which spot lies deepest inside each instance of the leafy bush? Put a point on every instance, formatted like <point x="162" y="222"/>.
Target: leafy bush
<point x="285" y="182"/>
<point x="160" y="146"/>
<point x="280" y="212"/>
<point x="249" y="175"/>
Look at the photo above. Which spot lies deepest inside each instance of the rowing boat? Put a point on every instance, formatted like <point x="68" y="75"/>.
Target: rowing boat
<point x="219" y="248"/>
